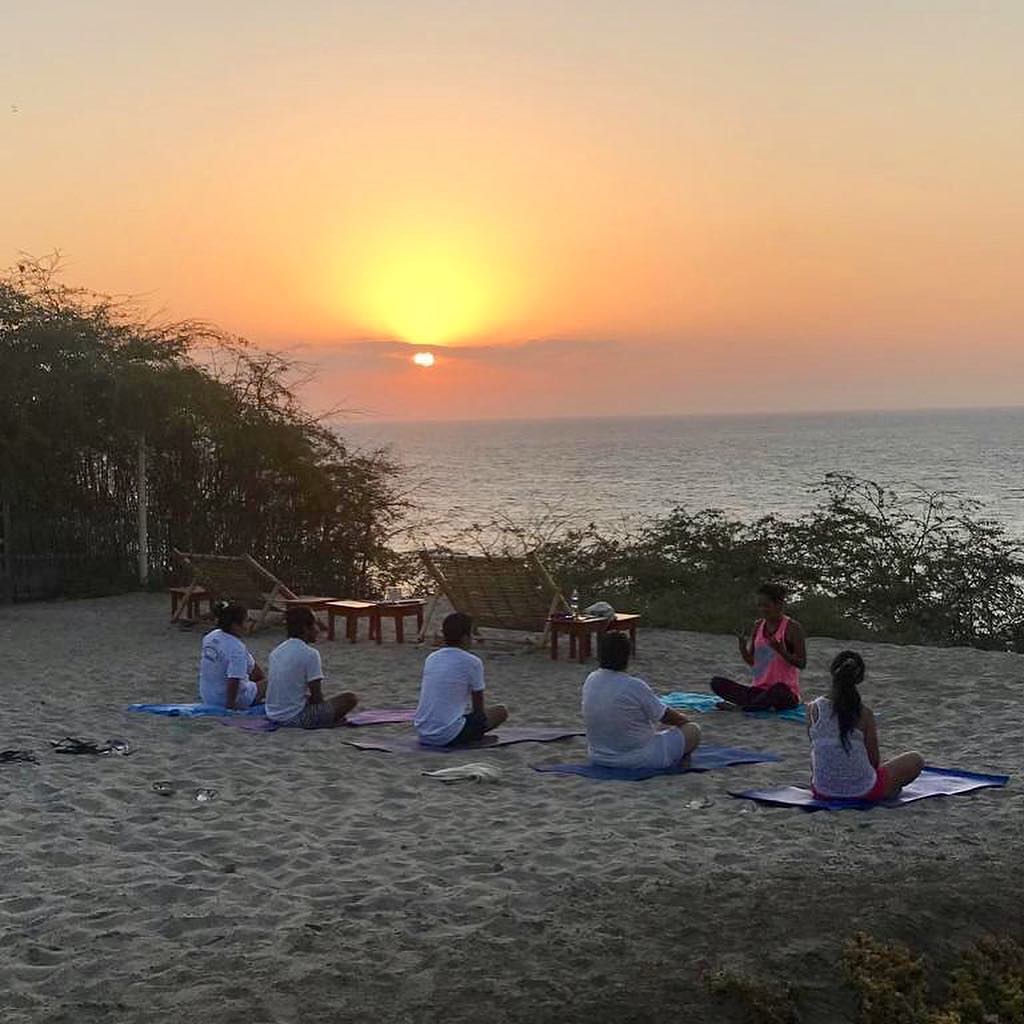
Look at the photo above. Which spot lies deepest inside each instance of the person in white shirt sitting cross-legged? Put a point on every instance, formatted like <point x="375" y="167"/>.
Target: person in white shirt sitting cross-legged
<point x="229" y="677"/>
<point x="453" y="677"/>
<point x="295" y="693"/>
<point x="623" y="716"/>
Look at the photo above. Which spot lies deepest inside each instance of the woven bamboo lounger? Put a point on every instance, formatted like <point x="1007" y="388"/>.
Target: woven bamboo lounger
<point x="237" y="578"/>
<point x="499" y="593"/>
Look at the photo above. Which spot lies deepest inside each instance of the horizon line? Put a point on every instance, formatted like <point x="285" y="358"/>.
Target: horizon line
<point x="358" y="417"/>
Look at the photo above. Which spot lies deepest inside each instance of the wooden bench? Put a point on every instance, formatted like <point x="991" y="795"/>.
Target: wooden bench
<point x="351" y="612"/>
<point x="582" y="628"/>
<point x="398" y="612"/>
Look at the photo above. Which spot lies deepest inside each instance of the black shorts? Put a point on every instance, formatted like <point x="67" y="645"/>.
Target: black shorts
<point x="474" y="725"/>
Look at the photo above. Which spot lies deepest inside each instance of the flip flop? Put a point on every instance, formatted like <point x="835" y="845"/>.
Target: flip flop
<point x="73" y="745"/>
<point x="16" y="756"/>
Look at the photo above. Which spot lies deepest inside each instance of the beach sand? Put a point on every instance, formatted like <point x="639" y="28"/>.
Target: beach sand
<point x="328" y="884"/>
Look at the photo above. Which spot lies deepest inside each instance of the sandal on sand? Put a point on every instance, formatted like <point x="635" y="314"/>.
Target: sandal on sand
<point x="203" y="796"/>
<point x="73" y="745"/>
<point x="16" y="756"/>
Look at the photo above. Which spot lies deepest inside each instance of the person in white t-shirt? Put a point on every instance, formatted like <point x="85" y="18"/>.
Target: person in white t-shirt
<point x="623" y="716"/>
<point x="228" y="674"/>
<point x="453" y="678"/>
<point x="295" y="693"/>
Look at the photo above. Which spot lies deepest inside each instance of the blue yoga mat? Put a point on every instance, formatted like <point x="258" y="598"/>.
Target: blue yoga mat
<point x="255" y="719"/>
<point x="709" y="702"/>
<point x="193" y="710"/>
<point x="704" y="760"/>
<point x="931" y="782"/>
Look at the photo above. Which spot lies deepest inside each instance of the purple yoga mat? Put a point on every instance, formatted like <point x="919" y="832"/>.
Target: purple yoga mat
<point x="931" y="782"/>
<point x="371" y="716"/>
<point x="504" y="737"/>
<point x="382" y="716"/>
<point x="704" y="759"/>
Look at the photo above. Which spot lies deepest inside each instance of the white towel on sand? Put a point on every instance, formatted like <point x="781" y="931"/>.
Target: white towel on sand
<point x="467" y="772"/>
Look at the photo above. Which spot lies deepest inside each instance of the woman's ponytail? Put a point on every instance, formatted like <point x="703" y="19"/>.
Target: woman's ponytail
<point x="847" y="674"/>
<point x="229" y="614"/>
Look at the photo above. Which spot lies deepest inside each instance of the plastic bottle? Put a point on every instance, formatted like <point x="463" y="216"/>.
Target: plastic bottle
<point x="574" y="603"/>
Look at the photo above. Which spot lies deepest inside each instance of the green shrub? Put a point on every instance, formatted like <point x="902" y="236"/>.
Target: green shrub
<point x="985" y="987"/>
<point x="757" y="1000"/>
<point x="888" y="979"/>
<point x="867" y="563"/>
<point x="988" y="985"/>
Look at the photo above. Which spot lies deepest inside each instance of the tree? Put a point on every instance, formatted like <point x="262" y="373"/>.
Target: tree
<point x="234" y="462"/>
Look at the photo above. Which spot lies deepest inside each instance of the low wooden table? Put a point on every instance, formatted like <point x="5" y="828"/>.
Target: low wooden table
<point x="351" y="612"/>
<point x="314" y="602"/>
<point x="581" y="630"/>
<point x="399" y="611"/>
<point x="196" y="596"/>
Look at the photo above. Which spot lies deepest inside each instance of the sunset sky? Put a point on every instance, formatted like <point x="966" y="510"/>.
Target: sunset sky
<point x="579" y="207"/>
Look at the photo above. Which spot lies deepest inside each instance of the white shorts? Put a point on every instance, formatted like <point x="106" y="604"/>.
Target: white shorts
<point x="667" y="748"/>
<point x="663" y="750"/>
<point x="247" y="694"/>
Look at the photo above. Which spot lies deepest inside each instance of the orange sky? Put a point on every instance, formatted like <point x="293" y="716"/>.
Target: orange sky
<point x="602" y="207"/>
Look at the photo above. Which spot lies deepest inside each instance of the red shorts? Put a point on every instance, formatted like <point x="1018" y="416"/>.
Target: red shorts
<point x="873" y="795"/>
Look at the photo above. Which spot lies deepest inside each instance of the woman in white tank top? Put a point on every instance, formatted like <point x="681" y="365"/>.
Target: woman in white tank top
<point x="845" y="763"/>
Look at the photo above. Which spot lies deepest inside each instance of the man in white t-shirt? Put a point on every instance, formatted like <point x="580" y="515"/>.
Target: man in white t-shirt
<point x="453" y="677"/>
<point x="622" y="716"/>
<point x="295" y="689"/>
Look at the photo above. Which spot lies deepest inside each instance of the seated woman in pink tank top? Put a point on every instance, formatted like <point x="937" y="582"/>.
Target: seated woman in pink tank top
<point x="776" y="653"/>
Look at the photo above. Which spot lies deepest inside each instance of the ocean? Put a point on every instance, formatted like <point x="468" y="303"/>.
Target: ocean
<point x="610" y="470"/>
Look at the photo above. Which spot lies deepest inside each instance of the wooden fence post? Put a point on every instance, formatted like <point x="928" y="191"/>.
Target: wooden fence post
<point x="5" y="538"/>
<point x="143" y="515"/>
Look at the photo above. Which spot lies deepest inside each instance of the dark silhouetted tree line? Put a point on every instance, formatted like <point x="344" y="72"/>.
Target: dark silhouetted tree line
<point x="233" y="462"/>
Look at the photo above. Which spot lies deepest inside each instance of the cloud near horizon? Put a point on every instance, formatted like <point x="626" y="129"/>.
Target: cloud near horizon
<point x="378" y="353"/>
<point x="378" y="378"/>
<point x="603" y="377"/>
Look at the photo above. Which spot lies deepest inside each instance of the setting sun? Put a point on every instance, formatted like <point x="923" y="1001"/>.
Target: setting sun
<point x="423" y="359"/>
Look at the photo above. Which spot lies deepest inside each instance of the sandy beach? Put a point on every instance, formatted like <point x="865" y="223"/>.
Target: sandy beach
<point x="328" y="884"/>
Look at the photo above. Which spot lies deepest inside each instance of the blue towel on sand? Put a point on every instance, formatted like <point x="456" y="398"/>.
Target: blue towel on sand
<point x="703" y="760"/>
<point x="708" y="702"/>
<point x="193" y="710"/>
<point x="931" y="782"/>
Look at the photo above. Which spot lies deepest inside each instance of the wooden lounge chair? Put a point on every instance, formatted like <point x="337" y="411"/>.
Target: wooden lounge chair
<point x="237" y="578"/>
<point x="500" y="593"/>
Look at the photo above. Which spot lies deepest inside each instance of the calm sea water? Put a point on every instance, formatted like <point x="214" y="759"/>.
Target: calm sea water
<point x="604" y="469"/>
